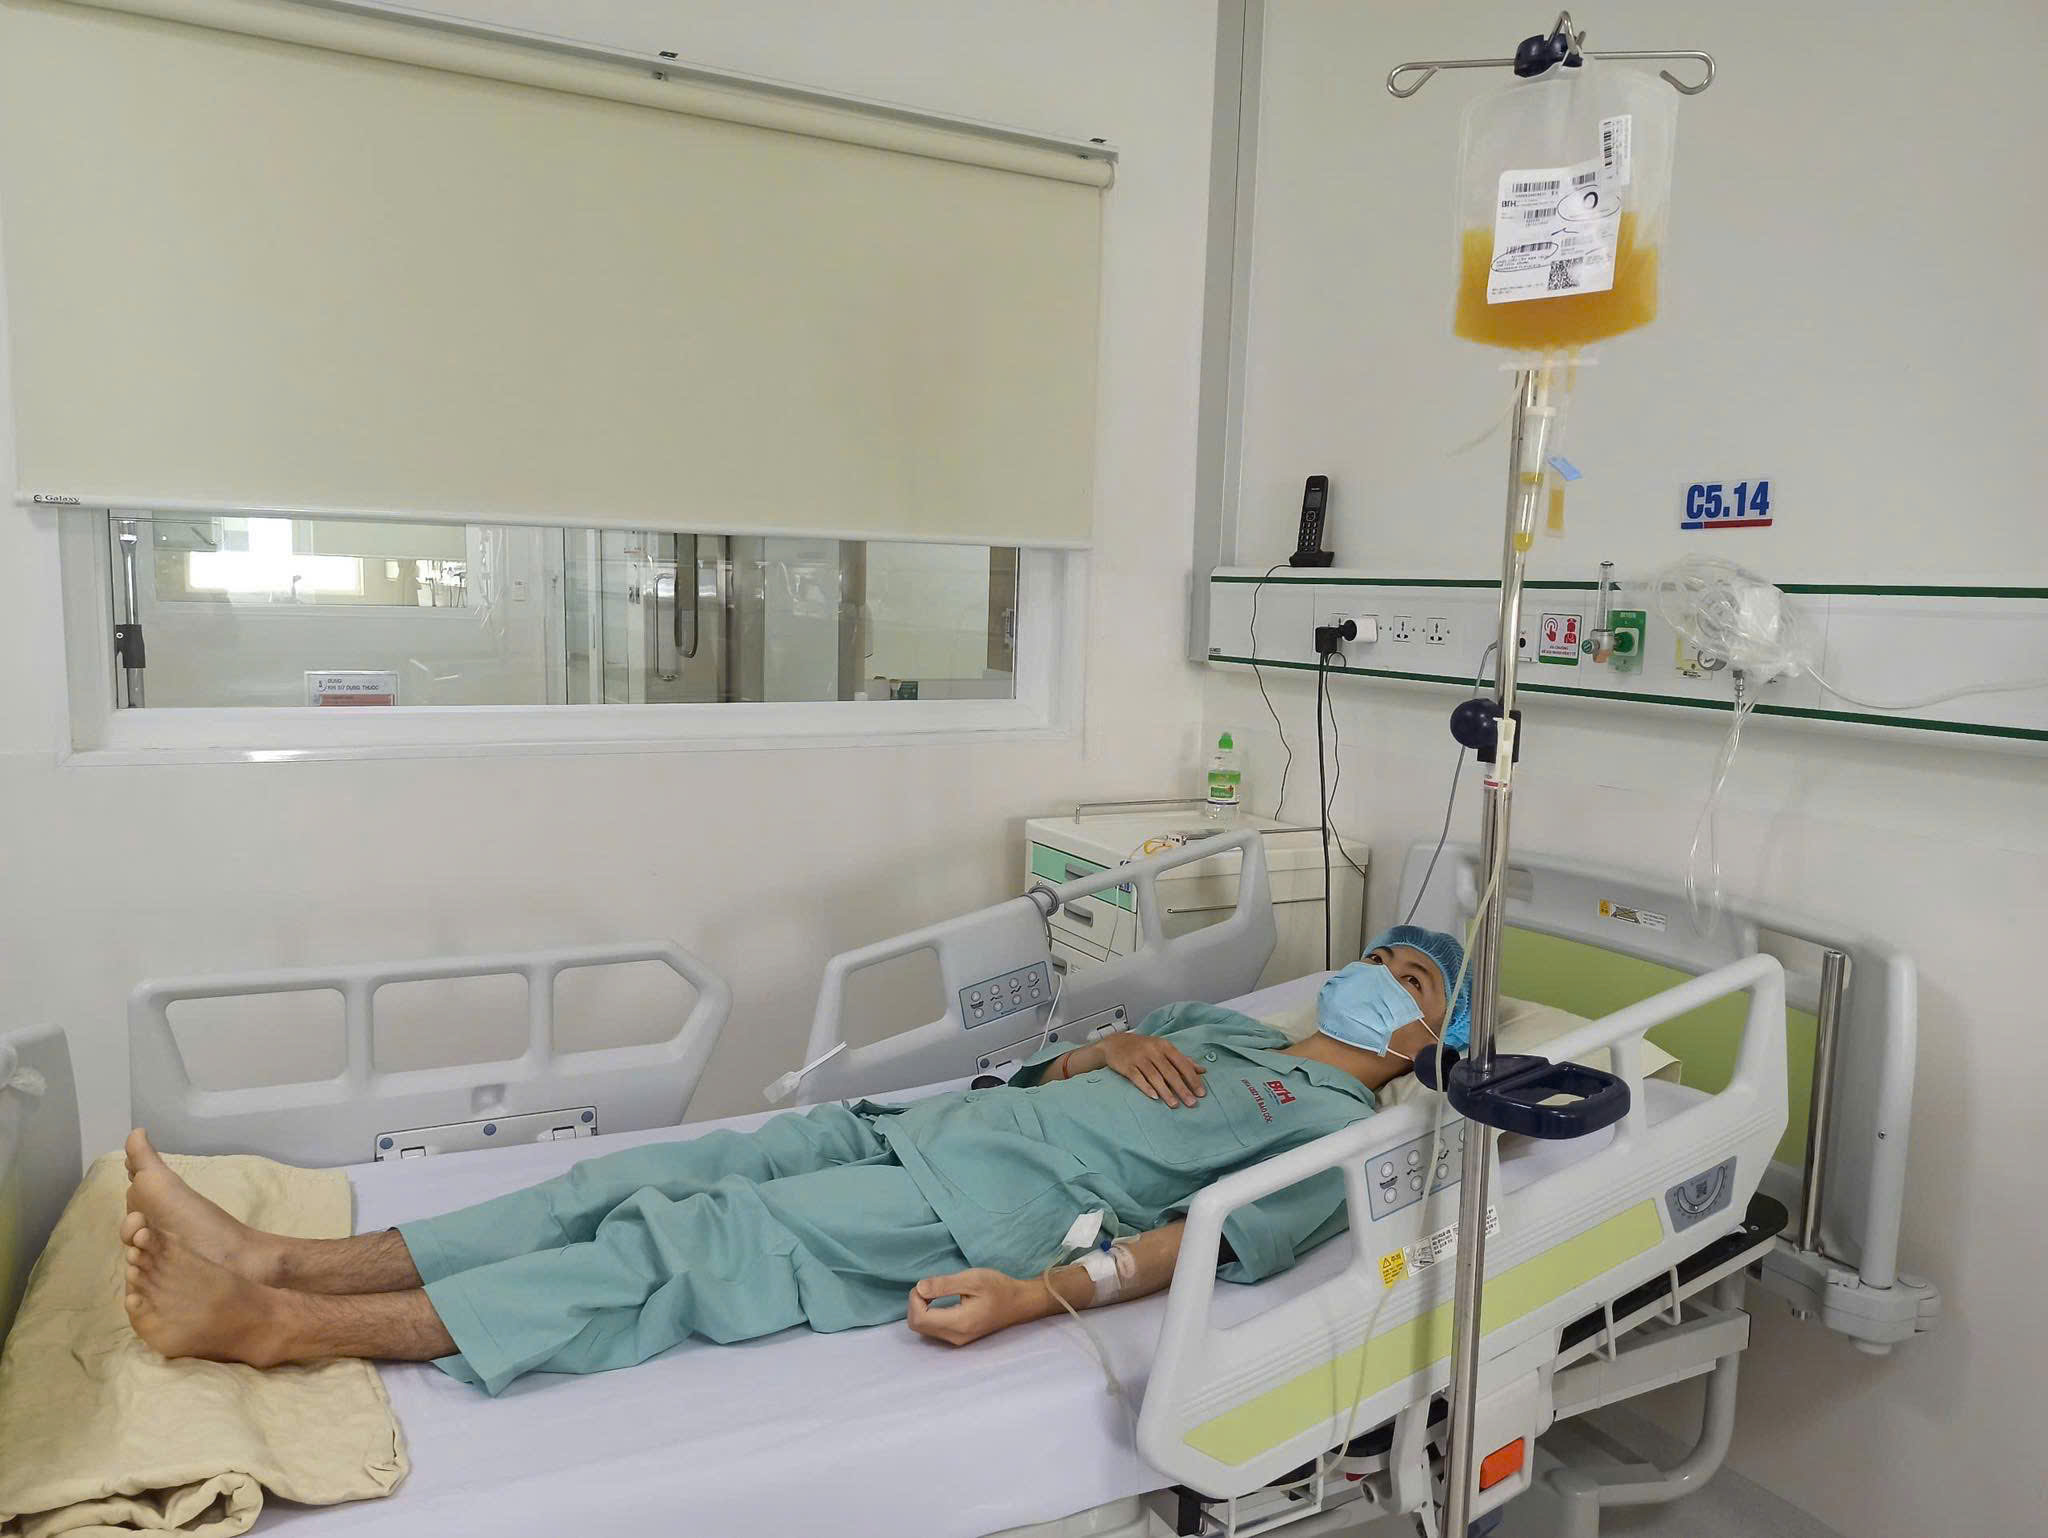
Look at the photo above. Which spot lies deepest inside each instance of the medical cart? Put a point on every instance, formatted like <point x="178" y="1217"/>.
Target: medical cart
<point x="1099" y="835"/>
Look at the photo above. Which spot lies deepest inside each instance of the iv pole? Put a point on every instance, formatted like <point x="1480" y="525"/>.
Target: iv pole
<point x="1529" y="436"/>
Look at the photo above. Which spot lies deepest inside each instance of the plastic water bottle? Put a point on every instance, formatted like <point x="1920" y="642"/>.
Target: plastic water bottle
<point x="1226" y="782"/>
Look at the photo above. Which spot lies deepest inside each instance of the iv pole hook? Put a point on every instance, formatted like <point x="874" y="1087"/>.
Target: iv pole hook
<point x="1423" y="69"/>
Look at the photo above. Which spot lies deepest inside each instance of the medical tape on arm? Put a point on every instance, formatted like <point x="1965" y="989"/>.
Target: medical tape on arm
<point x="1103" y="1274"/>
<point x="1112" y="1271"/>
<point x="1095" y="1346"/>
<point x="1125" y="1253"/>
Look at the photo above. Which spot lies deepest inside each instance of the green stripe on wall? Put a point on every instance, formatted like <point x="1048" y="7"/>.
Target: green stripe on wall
<point x="1847" y="589"/>
<point x="1797" y="712"/>
<point x="1299" y="579"/>
<point x="1306" y="1400"/>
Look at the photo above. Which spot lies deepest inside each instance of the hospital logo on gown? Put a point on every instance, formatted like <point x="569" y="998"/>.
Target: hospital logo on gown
<point x="1279" y="1091"/>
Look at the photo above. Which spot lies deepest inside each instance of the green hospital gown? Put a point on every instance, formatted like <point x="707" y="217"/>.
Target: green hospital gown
<point x="1009" y="1169"/>
<point x="827" y="1217"/>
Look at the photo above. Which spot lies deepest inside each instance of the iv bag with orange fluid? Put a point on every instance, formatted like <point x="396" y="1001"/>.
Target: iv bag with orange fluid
<point x="1563" y="187"/>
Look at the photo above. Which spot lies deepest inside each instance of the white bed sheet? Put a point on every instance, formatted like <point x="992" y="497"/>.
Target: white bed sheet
<point x="871" y="1432"/>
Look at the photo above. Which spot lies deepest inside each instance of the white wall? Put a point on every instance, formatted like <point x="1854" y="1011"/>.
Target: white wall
<point x="1821" y="325"/>
<point x="765" y="862"/>
<point x="1887" y="368"/>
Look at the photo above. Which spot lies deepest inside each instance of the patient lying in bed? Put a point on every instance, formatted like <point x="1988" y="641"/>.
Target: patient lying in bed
<point x="952" y="1211"/>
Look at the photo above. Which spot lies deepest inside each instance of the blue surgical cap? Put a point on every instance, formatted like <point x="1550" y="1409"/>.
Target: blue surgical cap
<point x="1447" y="954"/>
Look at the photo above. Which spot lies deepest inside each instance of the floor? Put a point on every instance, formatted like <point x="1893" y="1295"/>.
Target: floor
<point x="1729" y="1507"/>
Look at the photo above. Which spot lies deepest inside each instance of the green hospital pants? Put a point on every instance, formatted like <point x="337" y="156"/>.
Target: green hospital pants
<point x="729" y="1236"/>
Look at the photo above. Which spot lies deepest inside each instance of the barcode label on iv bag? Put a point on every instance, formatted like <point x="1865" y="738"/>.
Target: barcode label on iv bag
<point x="1578" y="213"/>
<point x="1615" y="133"/>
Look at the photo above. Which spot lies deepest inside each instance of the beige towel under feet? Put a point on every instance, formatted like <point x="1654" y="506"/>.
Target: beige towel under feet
<point x="100" y="1436"/>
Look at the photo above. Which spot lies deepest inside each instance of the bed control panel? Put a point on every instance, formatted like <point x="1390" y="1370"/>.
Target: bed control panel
<point x="1707" y="1193"/>
<point x="1010" y="993"/>
<point x="566" y="1125"/>
<point x="1005" y="1061"/>
<point x="1395" y="1178"/>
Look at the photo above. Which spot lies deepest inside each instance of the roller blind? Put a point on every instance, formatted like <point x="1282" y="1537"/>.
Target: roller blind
<point x="269" y="257"/>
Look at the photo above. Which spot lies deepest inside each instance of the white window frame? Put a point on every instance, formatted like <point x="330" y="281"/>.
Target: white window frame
<point x="1051" y="634"/>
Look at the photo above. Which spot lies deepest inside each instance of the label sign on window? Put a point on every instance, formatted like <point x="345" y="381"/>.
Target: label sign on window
<point x="351" y="688"/>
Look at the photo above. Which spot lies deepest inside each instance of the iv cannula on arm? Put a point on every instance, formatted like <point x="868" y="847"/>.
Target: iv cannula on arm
<point x="991" y="1300"/>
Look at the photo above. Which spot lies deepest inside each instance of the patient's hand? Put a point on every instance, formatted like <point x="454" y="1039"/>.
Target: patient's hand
<point x="1156" y="1066"/>
<point x="989" y="1301"/>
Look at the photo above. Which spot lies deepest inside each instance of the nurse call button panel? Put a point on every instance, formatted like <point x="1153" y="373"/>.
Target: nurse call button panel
<point x="1011" y="993"/>
<point x="1394" y="1178"/>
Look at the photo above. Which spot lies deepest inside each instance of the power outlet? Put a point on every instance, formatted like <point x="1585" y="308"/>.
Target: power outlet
<point x="1402" y="630"/>
<point x="1364" y="631"/>
<point x="1436" y="632"/>
<point x="1368" y="626"/>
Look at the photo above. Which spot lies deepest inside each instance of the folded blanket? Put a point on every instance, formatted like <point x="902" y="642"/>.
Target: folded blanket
<point x="99" y="1435"/>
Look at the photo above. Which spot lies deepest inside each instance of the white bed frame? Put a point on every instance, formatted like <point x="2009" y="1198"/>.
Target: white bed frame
<point x="40" y="1161"/>
<point x="1604" y="1294"/>
<point x="1220" y="961"/>
<point x="365" y="1113"/>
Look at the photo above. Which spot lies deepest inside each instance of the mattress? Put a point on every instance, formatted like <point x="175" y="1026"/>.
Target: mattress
<point x="856" y="1434"/>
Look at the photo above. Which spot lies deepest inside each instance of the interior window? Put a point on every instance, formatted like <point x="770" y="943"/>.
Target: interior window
<point x="284" y="611"/>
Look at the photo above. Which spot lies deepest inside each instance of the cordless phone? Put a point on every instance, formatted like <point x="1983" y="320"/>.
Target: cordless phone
<point x="1315" y="499"/>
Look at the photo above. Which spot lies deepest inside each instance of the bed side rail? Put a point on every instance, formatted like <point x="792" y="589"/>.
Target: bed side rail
<point x="40" y="1164"/>
<point x="1229" y="1408"/>
<point x="364" y="1113"/>
<point x="1848" y="1278"/>
<point x="998" y="981"/>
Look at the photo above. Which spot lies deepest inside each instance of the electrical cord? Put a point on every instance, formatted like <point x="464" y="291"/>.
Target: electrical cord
<point x="1323" y="805"/>
<point x="1259" y="677"/>
<point x="1337" y="784"/>
<point x="1052" y="1010"/>
<point x="1430" y="1190"/>
<point x="1451" y="803"/>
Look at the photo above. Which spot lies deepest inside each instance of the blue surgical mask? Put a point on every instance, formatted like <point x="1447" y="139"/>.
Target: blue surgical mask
<point x="1364" y="1005"/>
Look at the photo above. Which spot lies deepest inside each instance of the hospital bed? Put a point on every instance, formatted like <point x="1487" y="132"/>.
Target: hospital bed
<point x="1618" y="1264"/>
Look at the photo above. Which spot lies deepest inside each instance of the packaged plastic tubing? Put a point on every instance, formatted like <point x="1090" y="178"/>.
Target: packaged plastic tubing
<point x="1564" y="183"/>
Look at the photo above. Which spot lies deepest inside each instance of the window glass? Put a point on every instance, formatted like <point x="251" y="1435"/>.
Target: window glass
<point x="309" y="561"/>
<point x="262" y="611"/>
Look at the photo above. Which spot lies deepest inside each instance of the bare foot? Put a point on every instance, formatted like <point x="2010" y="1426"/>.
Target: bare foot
<point x="165" y="1206"/>
<point x="184" y="1305"/>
